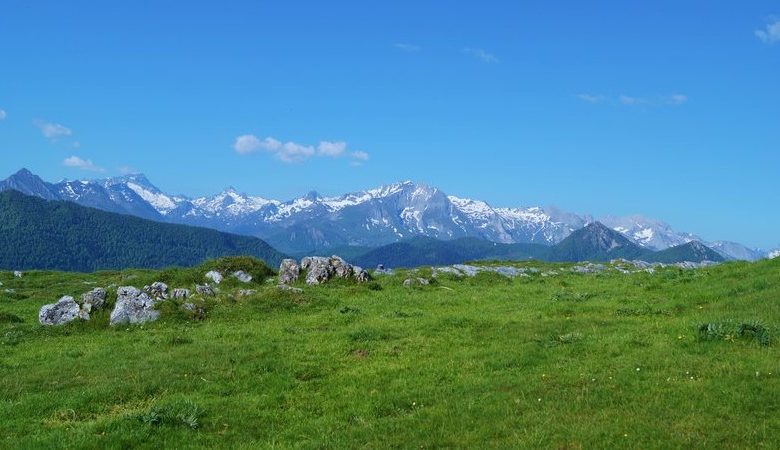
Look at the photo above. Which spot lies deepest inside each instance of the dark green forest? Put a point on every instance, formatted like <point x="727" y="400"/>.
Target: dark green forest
<point x="40" y="234"/>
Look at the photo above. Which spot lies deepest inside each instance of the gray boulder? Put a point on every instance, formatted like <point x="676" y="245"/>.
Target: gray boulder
<point x="289" y="271"/>
<point x="319" y="269"/>
<point x="214" y="276"/>
<point x="17" y="274"/>
<point x="205" y="290"/>
<point x="64" y="311"/>
<point x="133" y="307"/>
<point x="180" y="293"/>
<point x="362" y="275"/>
<point x="96" y="298"/>
<point x="158" y="290"/>
<point x="341" y="268"/>
<point x="409" y="282"/>
<point x="242" y="276"/>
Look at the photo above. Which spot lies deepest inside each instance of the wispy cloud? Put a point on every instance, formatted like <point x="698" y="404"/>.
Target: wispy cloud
<point x="52" y="131"/>
<point x="291" y="152"/>
<point x="481" y="54"/>
<point x="358" y="158"/>
<point x="411" y="48"/>
<point x="677" y="99"/>
<point x="631" y="100"/>
<point x="333" y="149"/>
<point x="82" y="164"/>
<point x="770" y="34"/>
<point x="590" y="98"/>
<point x="3" y="114"/>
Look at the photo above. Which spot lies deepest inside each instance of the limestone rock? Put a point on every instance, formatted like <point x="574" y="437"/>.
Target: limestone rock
<point x="96" y="298"/>
<point x="214" y="276"/>
<point x="205" y="290"/>
<point x="133" y="307"/>
<point x="319" y="269"/>
<point x="64" y="311"/>
<point x="409" y="282"/>
<point x="242" y="276"/>
<point x="289" y="271"/>
<point x="180" y="293"/>
<point x="157" y="290"/>
<point x="362" y="275"/>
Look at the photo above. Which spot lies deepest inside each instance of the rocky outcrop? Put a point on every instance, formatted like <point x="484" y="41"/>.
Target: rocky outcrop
<point x="180" y="293"/>
<point x="242" y="276"/>
<point x="289" y="271"/>
<point x="214" y="276"/>
<point x="64" y="311"/>
<point x="205" y="290"/>
<point x="409" y="282"/>
<point x="133" y="306"/>
<point x="362" y="275"/>
<point x="158" y="290"/>
<point x="460" y="270"/>
<point x="320" y="269"/>
<point x="246" y="292"/>
<point x="96" y="299"/>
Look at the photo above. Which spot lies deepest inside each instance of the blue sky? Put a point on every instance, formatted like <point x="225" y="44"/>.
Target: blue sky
<point x="669" y="109"/>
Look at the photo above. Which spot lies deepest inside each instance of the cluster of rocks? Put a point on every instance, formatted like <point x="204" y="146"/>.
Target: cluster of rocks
<point x="319" y="270"/>
<point x="636" y="266"/>
<point x="240" y="275"/>
<point x="460" y="270"/>
<point x="67" y="309"/>
<point x="133" y="305"/>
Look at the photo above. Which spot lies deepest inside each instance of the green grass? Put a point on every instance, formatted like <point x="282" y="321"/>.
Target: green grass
<point x="675" y="359"/>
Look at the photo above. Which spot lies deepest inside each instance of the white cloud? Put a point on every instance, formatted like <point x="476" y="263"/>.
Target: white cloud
<point x="590" y="98"/>
<point x="246" y="143"/>
<point x="83" y="164"/>
<point x="677" y="99"/>
<point x="51" y="130"/>
<point x="411" y="48"/>
<point x="290" y="152"/>
<point x="481" y="54"/>
<point x="628" y="100"/>
<point x="771" y="32"/>
<point x="3" y="115"/>
<point x="331" y="148"/>
<point x="359" y="156"/>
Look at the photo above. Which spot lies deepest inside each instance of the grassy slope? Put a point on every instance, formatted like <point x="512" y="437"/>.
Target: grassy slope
<point x="592" y="361"/>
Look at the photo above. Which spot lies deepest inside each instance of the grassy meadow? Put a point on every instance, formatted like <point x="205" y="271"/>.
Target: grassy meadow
<point x="672" y="359"/>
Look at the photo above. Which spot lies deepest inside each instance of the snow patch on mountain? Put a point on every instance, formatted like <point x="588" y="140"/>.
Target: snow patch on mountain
<point x="159" y="201"/>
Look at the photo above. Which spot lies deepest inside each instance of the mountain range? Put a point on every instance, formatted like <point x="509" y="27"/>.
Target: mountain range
<point x="366" y="219"/>
<point x="53" y="234"/>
